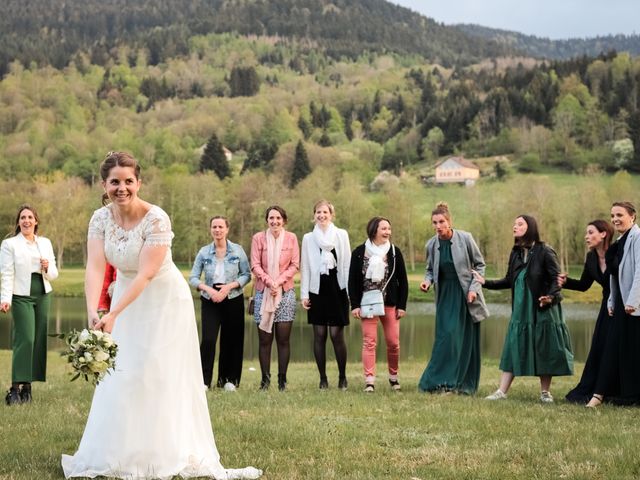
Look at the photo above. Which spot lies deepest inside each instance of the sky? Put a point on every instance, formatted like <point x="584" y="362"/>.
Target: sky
<point x="555" y="19"/>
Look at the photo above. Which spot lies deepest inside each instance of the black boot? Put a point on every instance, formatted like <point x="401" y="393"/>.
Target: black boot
<point x="265" y="382"/>
<point x="324" y="383"/>
<point x="342" y="383"/>
<point x="282" y="381"/>
<point x="25" y="393"/>
<point x="13" y="396"/>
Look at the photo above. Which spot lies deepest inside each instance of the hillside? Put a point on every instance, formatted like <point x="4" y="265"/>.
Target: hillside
<point x="554" y="49"/>
<point x="52" y="32"/>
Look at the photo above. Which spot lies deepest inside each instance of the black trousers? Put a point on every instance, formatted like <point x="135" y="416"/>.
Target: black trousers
<point x="226" y="318"/>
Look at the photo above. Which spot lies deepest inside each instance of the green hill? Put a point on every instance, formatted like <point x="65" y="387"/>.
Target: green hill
<point x="554" y="49"/>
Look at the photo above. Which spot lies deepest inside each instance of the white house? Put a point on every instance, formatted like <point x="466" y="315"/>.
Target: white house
<point x="457" y="170"/>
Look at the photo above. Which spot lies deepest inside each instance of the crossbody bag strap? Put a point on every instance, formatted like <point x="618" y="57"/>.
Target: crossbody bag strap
<point x="393" y="252"/>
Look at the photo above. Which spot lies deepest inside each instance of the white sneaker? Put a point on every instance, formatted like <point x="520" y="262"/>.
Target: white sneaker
<point x="497" y="395"/>
<point x="546" y="397"/>
<point x="229" y="387"/>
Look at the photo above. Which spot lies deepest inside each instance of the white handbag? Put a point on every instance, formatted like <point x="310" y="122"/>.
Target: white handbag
<point x="372" y="303"/>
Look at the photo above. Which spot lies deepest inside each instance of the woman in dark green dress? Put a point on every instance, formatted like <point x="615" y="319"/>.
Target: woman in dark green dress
<point x="452" y="256"/>
<point x="537" y="341"/>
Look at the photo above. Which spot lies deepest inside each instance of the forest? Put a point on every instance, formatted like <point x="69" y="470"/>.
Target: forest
<point x="302" y="122"/>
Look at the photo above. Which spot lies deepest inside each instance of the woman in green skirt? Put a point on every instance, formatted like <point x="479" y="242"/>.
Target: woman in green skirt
<point x="452" y="256"/>
<point x="537" y="342"/>
<point x="27" y="265"/>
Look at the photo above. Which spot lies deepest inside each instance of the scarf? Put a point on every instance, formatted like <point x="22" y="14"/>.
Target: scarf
<point x="270" y="302"/>
<point x="377" y="254"/>
<point x="326" y="240"/>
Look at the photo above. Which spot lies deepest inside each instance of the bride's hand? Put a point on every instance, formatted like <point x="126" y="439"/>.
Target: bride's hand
<point x="92" y="319"/>
<point x="106" y="323"/>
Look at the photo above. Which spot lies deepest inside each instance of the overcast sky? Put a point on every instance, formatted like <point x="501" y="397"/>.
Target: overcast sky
<point x="544" y="18"/>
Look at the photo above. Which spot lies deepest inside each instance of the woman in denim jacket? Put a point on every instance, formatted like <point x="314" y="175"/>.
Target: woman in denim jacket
<point x="226" y="272"/>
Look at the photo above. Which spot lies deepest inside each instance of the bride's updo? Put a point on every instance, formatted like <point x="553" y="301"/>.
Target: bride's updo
<point x="117" y="159"/>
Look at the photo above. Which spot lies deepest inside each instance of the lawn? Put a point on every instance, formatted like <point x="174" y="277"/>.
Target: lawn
<point x="306" y="434"/>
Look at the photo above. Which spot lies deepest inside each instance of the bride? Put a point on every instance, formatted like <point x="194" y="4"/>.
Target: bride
<point x="149" y="418"/>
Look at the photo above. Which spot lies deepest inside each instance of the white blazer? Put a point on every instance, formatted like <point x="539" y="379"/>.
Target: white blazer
<point x="310" y="262"/>
<point x="15" y="266"/>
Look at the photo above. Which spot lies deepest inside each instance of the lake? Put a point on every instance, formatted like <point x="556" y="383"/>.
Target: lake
<point x="416" y="331"/>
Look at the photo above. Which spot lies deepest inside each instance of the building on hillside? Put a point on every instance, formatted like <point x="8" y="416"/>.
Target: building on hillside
<point x="457" y="170"/>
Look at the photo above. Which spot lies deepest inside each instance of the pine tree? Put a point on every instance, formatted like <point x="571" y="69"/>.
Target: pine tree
<point x="324" y="140"/>
<point x="213" y="158"/>
<point x="301" y="167"/>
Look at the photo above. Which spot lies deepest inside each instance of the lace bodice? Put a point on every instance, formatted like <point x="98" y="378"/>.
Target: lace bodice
<point x="122" y="247"/>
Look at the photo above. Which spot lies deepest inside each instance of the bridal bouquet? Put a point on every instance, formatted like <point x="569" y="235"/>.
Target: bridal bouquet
<point x="91" y="353"/>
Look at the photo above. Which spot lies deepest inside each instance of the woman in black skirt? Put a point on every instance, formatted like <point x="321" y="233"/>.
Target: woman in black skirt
<point x="598" y="237"/>
<point x="619" y="374"/>
<point x="324" y="273"/>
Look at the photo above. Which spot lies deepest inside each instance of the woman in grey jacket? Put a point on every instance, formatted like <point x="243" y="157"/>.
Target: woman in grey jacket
<point x="452" y="255"/>
<point x="619" y="374"/>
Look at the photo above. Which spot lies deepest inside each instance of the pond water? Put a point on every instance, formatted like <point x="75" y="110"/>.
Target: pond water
<point x="416" y="331"/>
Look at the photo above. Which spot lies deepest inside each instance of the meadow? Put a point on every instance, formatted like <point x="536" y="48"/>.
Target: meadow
<point x="305" y="433"/>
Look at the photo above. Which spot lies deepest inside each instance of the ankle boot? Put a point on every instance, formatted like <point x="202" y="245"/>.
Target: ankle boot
<point x="265" y="382"/>
<point x="25" y="393"/>
<point x="13" y="396"/>
<point x="282" y="381"/>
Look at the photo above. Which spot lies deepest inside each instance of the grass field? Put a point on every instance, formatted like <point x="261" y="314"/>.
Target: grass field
<point x="305" y="433"/>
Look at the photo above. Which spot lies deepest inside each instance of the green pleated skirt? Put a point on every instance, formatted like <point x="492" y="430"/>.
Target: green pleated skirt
<point x="537" y="341"/>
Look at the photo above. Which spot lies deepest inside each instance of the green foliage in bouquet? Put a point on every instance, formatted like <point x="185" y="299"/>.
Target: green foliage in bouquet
<point x="91" y="354"/>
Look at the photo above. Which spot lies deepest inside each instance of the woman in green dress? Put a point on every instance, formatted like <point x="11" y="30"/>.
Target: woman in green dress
<point x="452" y="256"/>
<point x="537" y="341"/>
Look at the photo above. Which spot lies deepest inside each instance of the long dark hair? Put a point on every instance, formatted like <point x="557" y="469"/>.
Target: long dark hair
<point x="603" y="226"/>
<point x="26" y="206"/>
<point x="531" y="236"/>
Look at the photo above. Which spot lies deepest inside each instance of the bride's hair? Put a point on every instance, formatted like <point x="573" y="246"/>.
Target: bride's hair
<point x="117" y="159"/>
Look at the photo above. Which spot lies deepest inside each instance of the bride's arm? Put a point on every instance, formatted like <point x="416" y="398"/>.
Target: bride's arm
<point x="151" y="258"/>
<point x="93" y="277"/>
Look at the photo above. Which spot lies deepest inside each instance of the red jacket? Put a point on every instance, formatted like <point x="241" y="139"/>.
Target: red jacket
<point x="105" y="297"/>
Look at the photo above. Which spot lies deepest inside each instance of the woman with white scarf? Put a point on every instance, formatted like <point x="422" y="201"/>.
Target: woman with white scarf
<point x="324" y="273"/>
<point x="275" y="259"/>
<point x="379" y="265"/>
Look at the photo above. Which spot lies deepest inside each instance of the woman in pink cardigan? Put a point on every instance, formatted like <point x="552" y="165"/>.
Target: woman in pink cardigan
<point x="275" y="259"/>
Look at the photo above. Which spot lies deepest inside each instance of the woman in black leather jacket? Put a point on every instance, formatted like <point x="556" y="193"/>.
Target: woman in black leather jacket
<point x="537" y="341"/>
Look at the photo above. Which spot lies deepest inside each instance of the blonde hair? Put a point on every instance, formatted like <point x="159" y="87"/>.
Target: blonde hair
<point x="329" y="205"/>
<point x="442" y="209"/>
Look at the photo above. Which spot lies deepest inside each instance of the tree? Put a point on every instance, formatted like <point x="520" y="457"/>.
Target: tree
<point x="324" y="140"/>
<point x="213" y="158"/>
<point x="301" y="167"/>
<point x="244" y="82"/>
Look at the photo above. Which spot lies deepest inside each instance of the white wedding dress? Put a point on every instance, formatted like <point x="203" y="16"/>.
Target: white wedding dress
<point x="149" y="419"/>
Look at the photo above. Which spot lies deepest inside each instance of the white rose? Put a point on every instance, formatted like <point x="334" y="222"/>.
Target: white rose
<point x="99" y="367"/>
<point x="101" y="356"/>
<point x="98" y="333"/>
<point x="107" y="340"/>
<point x="84" y="335"/>
<point x="88" y="357"/>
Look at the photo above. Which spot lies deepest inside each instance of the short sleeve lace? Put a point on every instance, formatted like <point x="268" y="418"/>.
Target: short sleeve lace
<point x="157" y="231"/>
<point x="122" y="247"/>
<point x="98" y="224"/>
